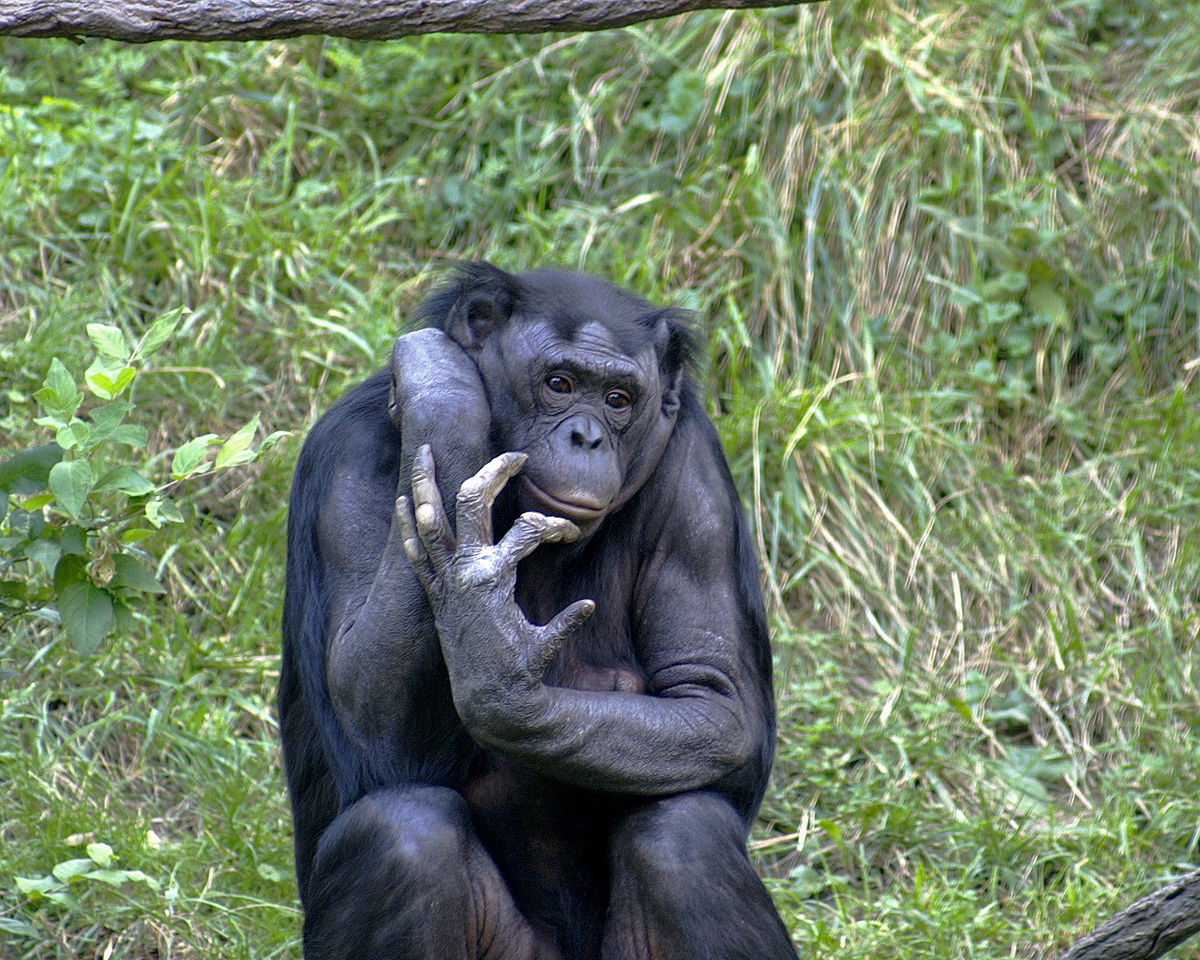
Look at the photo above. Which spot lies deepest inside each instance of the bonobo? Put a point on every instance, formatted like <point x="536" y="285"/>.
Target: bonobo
<point x="548" y="741"/>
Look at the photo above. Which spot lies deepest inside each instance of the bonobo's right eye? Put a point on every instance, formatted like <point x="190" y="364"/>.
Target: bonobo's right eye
<point x="559" y="384"/>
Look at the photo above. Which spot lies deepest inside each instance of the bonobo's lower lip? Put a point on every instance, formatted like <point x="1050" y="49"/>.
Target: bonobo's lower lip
<point x="572" y="510"/>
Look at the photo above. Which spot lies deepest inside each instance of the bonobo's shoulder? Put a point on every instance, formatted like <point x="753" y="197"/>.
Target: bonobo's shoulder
<point x="346" y="475"/>
<point x="695" y="440"/>
<point x="357" y="427"/>
<point x="693" y="477"/>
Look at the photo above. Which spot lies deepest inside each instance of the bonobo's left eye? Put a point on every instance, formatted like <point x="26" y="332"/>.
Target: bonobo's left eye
<point x="618" y="399"/>
<point x="559" y="384"/>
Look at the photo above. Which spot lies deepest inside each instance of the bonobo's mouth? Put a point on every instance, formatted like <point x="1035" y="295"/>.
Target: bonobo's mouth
<point x="584" y="507"/>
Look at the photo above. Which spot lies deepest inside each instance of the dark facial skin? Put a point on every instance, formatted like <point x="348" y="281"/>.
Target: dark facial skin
<point x="543" y="741"/>
<point x="585" y="410"/>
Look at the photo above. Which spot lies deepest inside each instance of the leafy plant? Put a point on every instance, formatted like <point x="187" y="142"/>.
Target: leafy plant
<point x="59" y="886"/>
<point x="74" y="513"/>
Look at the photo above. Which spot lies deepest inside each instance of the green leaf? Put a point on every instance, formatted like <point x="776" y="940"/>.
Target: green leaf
<point x="1112" y="298"/>
<point x="73" y="539"/>
<point x="45" y="553"/>
<point x="271" y="439"/>
<point x="126" y="480"/>
<point x="960" y="707"/>
<point x="1017" y="342"/>
<point x="107" y="383"/>
<point x="134" y="534"/>
<point x="190" y="457"/>
<point x="123" y="622"/>
<point x="73" y="434"/>
<point x="105" y="419"/>
<point x="995" y="314"/>
<point x="1047" y="305"/>
<point x="161" y="330"/>
<point x="140" y="877"/>
<point x="133" y="575"/>
<point x="71" y="569"/>
<point x="28" y="471"/>
<point x="114" y="878"/>
<point x="18" y="928"/>
<point x="59" y="394"/>
<point x="101" y="854"/>
<point x="130" y="434"/>
<point x="35" y="885"/>
<point x="1009" y="282"/>
<point x="53" y="405"/>
<point x="66" y="871"/>
<point x="162" y="511"/>
<point x="70" y="481"/>
<point x="16" y="590"/>
<point x="109" y="341"/>
<point x="87" y="615"/>
<point x="237" y="449"/>
<point x="685" y="99"/>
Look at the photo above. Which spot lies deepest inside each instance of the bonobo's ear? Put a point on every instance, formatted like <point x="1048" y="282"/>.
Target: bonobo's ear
<point x="484" y="299"/>
<point x="674" y="343"/>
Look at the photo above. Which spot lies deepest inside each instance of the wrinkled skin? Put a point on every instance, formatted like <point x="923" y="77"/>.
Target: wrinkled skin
<point x="547" y="743"/>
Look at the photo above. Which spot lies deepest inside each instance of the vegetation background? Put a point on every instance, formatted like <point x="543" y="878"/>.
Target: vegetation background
<point x="945" y="261"/>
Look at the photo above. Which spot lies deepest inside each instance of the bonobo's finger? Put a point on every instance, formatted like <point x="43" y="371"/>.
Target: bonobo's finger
<point x="432" y="525"/>
<point x="476" y="496"/>
<point x="396" y="554"/>
<point x="532" y="530"/>
<point x="404" y="528"/>
<point x="553" y="634"/>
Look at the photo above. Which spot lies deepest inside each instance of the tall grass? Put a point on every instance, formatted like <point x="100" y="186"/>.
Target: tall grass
<point x="945" y="261"/>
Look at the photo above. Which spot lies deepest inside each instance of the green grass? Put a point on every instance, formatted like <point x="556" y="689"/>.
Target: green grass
<point x="946" y="265"/>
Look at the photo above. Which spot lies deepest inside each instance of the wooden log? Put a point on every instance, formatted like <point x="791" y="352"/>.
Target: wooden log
<point x="141" y="21"/>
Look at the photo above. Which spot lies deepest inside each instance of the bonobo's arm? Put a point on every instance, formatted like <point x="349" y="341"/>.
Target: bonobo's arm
<point x="383" y="652"/>
<point x="706" y="713"/>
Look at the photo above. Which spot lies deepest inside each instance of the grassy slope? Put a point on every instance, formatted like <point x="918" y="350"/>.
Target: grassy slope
<point x="947" y="261"/>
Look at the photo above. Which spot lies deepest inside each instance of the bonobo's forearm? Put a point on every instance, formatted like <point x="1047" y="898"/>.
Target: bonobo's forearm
<point x="383" y="650"/>
<point x="384" y="653"/>
<point x="619" y="742"/>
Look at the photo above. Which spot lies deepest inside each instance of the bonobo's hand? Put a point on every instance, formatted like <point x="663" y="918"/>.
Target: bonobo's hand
<point x="494" y="655"/>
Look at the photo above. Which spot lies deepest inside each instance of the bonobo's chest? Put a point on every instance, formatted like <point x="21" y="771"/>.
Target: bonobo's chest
<point x="600" y="654"/>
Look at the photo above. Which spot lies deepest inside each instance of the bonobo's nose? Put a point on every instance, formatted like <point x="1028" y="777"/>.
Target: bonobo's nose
<point x="586" y="431"/>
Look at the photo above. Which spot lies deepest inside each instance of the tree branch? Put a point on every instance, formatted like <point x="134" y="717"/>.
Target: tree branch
<point x="1148" y="928"/>
<point x="144" y="20"/>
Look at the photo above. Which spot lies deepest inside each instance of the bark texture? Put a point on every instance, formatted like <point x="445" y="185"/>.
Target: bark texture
<point x="1148" y="928"/>
<point x="140" y="21"/>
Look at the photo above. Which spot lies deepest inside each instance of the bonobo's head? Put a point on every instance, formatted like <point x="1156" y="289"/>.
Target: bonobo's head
<point x="582" y="376"/>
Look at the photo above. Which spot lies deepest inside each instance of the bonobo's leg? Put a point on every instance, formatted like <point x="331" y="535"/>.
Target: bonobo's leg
<point x="683" y="888"/>
<point x="400" y="875"/>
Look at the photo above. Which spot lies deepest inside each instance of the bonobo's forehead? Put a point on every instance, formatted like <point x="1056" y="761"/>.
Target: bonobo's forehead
<point x="571" y="302"/>
<point x="592" y="348"/>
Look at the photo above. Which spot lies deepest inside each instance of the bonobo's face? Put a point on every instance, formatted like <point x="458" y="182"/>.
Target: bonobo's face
<point x="587" y="415"/>
<point x="583" y="377"/>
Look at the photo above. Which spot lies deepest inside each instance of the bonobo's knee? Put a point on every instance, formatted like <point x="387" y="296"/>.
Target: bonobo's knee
<point x="683" y="881"/>
<point x="383" y="868"/>
<point x="404" y="832"/>
<point x="676" y="836"/>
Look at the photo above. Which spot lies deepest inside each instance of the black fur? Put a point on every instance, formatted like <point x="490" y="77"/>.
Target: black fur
<point x="552" y="854"/>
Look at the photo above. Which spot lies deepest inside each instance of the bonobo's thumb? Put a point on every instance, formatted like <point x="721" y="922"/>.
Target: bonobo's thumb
<point x="553" y="634"/>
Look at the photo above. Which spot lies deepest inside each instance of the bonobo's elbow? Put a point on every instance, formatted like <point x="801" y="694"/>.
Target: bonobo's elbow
<point x="498" y="715"/>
